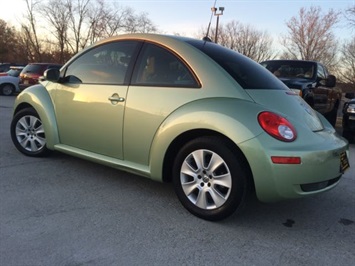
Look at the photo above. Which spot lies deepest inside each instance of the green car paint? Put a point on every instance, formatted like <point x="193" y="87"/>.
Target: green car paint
<point x="141" y="129"/>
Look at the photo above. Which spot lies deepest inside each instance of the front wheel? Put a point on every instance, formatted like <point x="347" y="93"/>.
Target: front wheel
<point x="27" y="133"/>
<point x="209" y="178"/>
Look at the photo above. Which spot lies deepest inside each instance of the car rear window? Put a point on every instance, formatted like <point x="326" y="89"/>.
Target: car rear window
<point x="248" y="73"/>
<point x="34" y="69"/>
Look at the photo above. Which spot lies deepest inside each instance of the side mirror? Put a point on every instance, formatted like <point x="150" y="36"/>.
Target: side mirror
<point x="52" y="74"/>
<point x="330" y="81"/>
<point x="350" y="95"/>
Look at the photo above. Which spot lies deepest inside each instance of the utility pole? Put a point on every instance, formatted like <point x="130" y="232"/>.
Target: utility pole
<point x="214" y="10"/>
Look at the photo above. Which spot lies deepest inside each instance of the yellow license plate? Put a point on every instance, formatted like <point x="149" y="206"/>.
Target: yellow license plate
<point x="344" y="162"/>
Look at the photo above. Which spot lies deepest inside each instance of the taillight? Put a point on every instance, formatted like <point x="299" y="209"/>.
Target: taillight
<point x="277" y="126"/>
<point x="285" y="160"/>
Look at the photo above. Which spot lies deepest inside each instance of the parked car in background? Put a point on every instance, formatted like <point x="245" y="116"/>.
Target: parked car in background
<point x="13" y="71"/>
<point x="9" y="85"/>
<point x="313" y="82"/>
<point x="4" y="67"/>
<point x="211" y="121"/>
<point x="349" y="117"/>
<point x="32" y="72"/>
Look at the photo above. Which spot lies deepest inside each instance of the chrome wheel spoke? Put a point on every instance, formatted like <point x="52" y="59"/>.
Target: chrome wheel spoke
<point x="201" y="200"/>
<point x="189" y="188"/>
<point x="205" y="179"/>
<point x="30" y="133"/>
<point x="223" y="180"/>
<point x="217" y="198"/>
<point x="215" y="162"/>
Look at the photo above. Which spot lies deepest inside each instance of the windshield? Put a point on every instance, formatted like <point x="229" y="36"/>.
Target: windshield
<point x="291" y="69"/>
<point x="248" y="73"/>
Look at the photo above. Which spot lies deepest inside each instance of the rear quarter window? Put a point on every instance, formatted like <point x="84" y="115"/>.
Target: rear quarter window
<point x="248" y="73"/>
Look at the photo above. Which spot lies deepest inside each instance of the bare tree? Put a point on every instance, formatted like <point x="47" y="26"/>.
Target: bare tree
<point x="106" y="21"/>
<point x="139" y="23"/>
<point x="348" y="62"/>
<point x="350" y="16"/>
<point x="93" y="20"/>
<point x="73" y="25"/>
<point x="310" y="36"/>
<point x="56" y="13"/>
<point x="7" y="43"/>
<point x="246" y="40"/>
<point x="30" y="31"/>
<point x="97" y="21"/>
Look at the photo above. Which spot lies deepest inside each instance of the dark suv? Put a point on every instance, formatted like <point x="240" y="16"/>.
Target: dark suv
<point x="32" y="72"/>
<point x="349" y="117"/>
<point x="312" y="80"/>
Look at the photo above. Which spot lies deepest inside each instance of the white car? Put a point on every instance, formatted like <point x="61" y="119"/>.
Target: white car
<point x="9" y="85"/>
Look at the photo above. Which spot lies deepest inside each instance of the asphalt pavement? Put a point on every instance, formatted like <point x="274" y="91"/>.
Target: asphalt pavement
<point x="63" y="210"/>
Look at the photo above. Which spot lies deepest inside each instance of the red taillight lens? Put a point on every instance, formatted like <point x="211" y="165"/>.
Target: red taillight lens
<point x="277" y="126"/>
<point x="285" y="160"/>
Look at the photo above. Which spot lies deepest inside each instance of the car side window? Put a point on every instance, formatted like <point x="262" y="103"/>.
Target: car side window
<point x="159" y="67"/>
<point x="321" y="72"/>
<point x="106" y="64"/>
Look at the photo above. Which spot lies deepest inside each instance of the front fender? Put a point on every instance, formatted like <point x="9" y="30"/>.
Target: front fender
<point x="38" y="97"/>
<point x="236" y="119"/>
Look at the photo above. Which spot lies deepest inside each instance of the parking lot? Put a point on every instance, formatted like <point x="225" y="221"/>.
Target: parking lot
<point x="62" y="210"/>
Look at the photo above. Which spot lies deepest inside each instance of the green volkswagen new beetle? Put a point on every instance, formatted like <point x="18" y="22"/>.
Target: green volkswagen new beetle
<point x="211" y="121"/>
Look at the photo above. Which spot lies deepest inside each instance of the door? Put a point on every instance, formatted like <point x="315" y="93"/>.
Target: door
<point x="90" y="101"/>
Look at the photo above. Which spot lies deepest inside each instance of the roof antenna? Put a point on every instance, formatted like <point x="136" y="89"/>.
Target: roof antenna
<point x="206" y="38"/>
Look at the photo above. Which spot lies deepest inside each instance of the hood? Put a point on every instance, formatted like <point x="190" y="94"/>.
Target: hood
<point x="289" y="105"/>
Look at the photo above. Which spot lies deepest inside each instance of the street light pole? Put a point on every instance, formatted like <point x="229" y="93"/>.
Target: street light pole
<point x="214" y="10"/>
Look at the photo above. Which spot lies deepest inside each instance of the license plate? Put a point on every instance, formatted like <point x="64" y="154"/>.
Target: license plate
<point x="352" y="117"/>
<point x="25" y="82"/>
<point x="344" y="162"/>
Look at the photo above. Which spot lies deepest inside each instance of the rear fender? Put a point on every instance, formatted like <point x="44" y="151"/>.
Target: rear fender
<point x="212" y="115"/>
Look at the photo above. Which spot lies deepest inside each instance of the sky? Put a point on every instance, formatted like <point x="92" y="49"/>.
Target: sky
<point x="188" y="17"/>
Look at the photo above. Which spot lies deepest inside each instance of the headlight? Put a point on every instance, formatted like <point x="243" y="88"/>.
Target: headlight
<point x="351" y="108"/>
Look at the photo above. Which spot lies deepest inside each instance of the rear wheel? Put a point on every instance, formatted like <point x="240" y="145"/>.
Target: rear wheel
<point x="7" y="89"/>
<point x="27" y="133"/>
<point x="209" y="178"/>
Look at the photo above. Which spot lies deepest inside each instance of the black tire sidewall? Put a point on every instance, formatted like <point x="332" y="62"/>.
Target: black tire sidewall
<point x="7" y="94"/>
<point x="239" y="179"/>
<point x="25" y="112"/>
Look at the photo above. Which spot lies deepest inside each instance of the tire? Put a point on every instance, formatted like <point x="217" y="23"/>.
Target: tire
<point x="332" y="115"/>
<point x="347" y="134"/>
<point x="209" y="179"/>
<point x="27" y="133"/>
<point x="7" y="89"/>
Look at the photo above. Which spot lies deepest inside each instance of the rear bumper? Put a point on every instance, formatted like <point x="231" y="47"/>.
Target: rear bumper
<point x="319" y="170"/>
